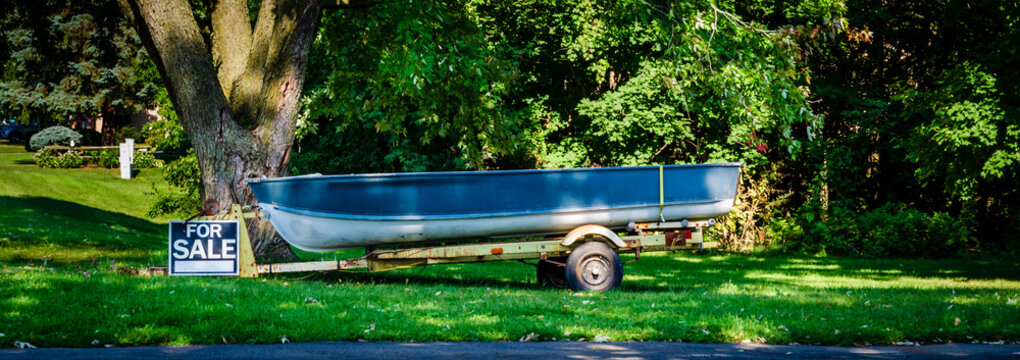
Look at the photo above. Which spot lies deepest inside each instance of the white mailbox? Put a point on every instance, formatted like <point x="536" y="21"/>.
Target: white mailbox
<point x="127" y="157"/>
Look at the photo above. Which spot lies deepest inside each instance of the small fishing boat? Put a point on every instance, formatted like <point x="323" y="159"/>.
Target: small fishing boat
<point x="324" y="213"/>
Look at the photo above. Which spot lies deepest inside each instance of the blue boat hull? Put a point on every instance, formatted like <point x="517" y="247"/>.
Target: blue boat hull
<point x="323" y="213"/>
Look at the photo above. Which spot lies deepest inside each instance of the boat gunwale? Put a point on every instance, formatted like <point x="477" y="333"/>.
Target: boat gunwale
<point x="387" y="176"/>
<point x="467" y="216"/>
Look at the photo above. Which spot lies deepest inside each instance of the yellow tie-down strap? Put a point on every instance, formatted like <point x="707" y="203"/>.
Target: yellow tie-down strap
<point x="661" y="197"/>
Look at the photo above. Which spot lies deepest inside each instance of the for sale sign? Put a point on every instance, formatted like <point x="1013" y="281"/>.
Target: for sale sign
<point x="203" y="247"/>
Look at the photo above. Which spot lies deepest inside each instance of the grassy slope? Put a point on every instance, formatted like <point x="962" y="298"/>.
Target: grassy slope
<point x="68" y="217"/>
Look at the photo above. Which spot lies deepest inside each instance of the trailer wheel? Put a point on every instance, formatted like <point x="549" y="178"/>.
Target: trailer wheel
<point x="594" y="266"/>
<point x="552" y="275"/>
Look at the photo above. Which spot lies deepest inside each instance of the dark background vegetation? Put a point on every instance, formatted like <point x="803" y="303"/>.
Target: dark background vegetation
<point x="867" y="128"/>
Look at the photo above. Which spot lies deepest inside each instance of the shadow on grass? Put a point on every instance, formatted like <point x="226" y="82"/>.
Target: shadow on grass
<point x="689" y="272"/>
<point x="37" y="228"/>
<point x="710" y="297"/>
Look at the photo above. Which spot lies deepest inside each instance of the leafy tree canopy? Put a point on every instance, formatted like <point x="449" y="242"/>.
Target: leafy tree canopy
<point x="922" y="114"/>
<point x="70" y="58"/>
<point x="453" y="85"/>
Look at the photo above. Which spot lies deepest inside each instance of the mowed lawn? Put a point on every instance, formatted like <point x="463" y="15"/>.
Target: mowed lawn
<point x="60" y="230"/>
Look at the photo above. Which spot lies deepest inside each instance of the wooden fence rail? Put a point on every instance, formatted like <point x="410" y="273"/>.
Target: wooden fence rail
<point x="94" y="148"/>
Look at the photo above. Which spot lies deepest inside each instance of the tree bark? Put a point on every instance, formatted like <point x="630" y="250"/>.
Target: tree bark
<point x="238" y="99"/>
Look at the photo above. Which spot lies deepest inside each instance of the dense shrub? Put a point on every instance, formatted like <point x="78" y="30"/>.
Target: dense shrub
<point x="172" y="202"/>
<point x="46" y="158"/>
<point x="108" y="159"/>
<point x="89" y="156"/>
<point x="183" y="197"/>
<point x="129" y="132"/>
<point x="167" y="136"/>
<point x="52" y="159"/>
<point x="54" y="135"/>
<point x="70" y="160"/>
<point x="184" y="173"/>
<point x="145" y="160"/>
<point x="892" y="230"/>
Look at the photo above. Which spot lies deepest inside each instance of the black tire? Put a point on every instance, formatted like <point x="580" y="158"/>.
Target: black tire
<point x="552" y="275"/>
<point x="594" y="266"/>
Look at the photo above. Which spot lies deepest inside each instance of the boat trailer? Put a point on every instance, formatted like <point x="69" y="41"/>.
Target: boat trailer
<point x="586" y="258"/>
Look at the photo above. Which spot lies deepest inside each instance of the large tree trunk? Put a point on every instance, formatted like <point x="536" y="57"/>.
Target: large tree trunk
<point x="237" y="97"/>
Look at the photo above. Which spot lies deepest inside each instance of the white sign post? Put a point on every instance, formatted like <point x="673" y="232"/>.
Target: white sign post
<point x="206" y="247"/>
<point x="127" y="157"/>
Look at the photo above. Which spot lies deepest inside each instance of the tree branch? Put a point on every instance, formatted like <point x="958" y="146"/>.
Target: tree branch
<point x="269" y="73"/>
<point x="231" y="40"/>
<point x="176" y="45"/>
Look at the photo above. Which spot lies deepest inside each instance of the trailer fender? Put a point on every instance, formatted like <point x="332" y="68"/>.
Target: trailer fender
<point x="592" y="229"/>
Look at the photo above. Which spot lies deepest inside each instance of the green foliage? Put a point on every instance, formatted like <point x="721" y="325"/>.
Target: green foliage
<point x="108" y="159"/>
<point x="408" y="88"/>
<point x="46" y="158"/>
<point x="183" y="198"/>
<point x="70" y="58"/>
<point x="54" y="135"/>
<point x="129" y="132"/>
<point x="167" y="136"/>
<point x="550" y="84"/>
<point x="654" y="83"/>
<point x="183" y="173"/>
<point x="168" y="202"/>
<point x="70" y="160"/>
<point x="89" y="157"/>
<point x="145" y="160"/>
<point x="921" y="111"/>
<point x="892" y="230"/>
<point x="967" y="122"/>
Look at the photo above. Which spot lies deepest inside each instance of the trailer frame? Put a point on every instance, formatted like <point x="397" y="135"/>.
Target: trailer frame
<point x="641" y="238"/>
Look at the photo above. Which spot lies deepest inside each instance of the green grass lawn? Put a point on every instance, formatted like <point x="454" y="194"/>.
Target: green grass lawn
<point x="57" y="221"/>
<point x="68" y="216"/>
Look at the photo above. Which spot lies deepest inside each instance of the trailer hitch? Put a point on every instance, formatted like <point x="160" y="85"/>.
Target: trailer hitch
<point x="209" y="208"/>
